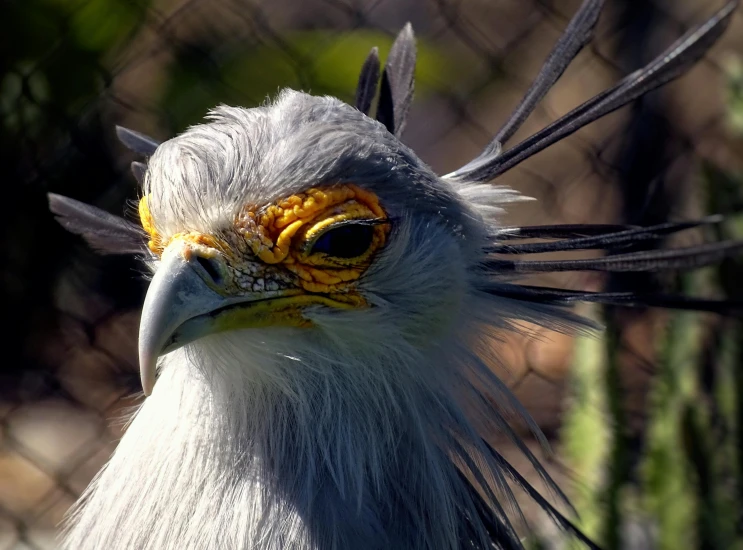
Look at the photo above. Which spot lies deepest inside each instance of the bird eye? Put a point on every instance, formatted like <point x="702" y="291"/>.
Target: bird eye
<point x="346" y="241"/>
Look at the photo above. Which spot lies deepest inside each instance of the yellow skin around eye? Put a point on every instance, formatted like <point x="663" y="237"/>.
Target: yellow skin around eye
<point x="148" y="224"/>
<point x="279" y="234"/>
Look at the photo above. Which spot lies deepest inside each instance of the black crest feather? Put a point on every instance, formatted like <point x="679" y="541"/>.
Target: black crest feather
<point x="671" y="64"/>
<point x="610" y="239"/>
<point x="368" y="82"/>
<point x="647" y="260"/>
<point x="104" y="232"/>
<point x="137" y="142"/>
<point x="564" y="297"/>
<point x="577" y="34"/>
<point x="139" y="169"/>
<point x="396" y="92"/>
<point x="559" y="519"/>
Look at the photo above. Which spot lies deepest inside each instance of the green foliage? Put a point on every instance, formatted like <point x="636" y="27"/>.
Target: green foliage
<point x="687" y="479"/>
<point x="735" y="94"/>
<point x="667" y="489"/>
<point x="687" y="487"/>
<point x="586" y="433"/>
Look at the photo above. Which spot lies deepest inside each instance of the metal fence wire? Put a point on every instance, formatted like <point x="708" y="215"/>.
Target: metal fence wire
<point x="645" y="419"/>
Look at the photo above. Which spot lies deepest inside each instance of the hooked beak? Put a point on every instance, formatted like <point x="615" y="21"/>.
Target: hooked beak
<point x="184" y="303"/>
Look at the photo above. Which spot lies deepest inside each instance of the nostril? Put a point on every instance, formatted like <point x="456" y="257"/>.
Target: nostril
<point x="211" y="268"/>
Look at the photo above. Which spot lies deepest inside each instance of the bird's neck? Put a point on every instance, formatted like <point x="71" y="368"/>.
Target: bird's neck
<point x="210" y="465"/>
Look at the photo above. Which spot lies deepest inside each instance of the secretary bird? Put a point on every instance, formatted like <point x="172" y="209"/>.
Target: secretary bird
<point x="320" y="316"/>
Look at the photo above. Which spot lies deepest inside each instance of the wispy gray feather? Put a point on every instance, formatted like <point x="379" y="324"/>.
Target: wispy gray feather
<point x="104" y="232"/>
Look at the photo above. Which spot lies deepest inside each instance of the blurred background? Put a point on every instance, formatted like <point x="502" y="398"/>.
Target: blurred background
<point x="645" y="420"/>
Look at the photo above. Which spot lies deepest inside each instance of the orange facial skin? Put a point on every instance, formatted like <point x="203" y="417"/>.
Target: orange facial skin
<point x="270" y="248"/>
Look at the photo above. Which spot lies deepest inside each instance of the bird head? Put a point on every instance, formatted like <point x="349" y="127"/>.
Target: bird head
<point x="307" y="218"/>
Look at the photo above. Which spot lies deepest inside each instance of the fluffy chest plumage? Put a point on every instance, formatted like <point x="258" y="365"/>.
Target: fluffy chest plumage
<point x="205" y="465"/>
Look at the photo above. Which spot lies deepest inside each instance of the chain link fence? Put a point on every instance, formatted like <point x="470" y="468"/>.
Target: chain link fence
<point x="75" y="69"/>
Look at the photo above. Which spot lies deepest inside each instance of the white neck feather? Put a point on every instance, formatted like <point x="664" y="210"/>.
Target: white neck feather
<point x="282" y="456"/>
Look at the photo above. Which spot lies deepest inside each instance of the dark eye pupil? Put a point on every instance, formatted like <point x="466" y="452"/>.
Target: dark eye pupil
<point x="348" y="241"/>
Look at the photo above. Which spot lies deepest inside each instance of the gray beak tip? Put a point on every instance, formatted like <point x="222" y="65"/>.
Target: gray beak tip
<point x="177" y="293"/>
<point x="148" y="355"/>
<point x="148" y="377"/>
